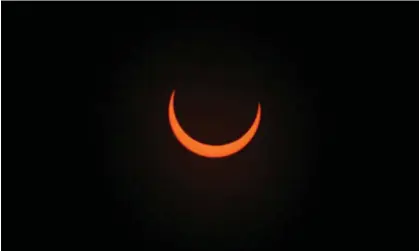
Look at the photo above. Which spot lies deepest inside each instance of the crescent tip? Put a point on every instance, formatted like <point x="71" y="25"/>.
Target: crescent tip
<point x="172" y="96"/>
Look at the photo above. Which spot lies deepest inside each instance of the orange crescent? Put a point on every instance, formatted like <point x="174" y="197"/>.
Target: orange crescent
<point x="210" y="151"/>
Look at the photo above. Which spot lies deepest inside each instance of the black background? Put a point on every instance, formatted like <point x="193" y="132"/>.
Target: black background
<point x="95" y="165"/>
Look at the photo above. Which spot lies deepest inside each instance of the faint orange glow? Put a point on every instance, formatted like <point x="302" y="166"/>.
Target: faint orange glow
<point x="210" y="151"/>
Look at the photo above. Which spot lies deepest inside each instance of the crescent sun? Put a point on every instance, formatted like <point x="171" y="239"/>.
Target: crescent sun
<point x="206" y="150"/>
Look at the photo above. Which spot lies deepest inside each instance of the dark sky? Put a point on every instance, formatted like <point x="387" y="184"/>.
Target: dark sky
<point x="87" y="88"/>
